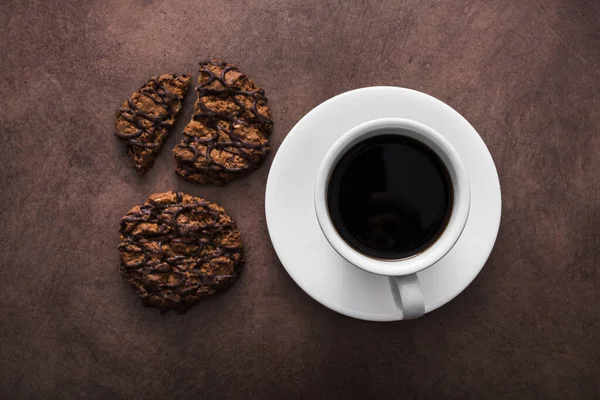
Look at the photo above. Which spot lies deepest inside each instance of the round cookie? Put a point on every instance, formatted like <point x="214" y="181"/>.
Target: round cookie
<point x="228" y="134"/>
<point x="177" y="249"/>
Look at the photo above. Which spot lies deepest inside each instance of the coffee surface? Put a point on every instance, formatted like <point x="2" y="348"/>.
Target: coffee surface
<point x="390" y="197"/>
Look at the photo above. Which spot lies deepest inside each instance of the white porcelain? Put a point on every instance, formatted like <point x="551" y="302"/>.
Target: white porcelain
<point x="291" y="210"/>
<point x="408" y="290"/>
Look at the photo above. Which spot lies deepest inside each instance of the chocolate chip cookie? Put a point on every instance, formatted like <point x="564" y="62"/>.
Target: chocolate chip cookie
<point x="228" y="134"/>
<point x="145" y="119"/>
<point x="177" y="249"/>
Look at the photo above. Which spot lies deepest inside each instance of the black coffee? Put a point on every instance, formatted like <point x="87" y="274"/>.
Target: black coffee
<point x="389" y="197"/>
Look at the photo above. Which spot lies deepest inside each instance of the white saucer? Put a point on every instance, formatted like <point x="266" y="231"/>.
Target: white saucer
<point x="303" y="250"/>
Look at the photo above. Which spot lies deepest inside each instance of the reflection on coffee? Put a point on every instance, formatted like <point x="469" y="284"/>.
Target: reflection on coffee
<point x="390" y="197"/>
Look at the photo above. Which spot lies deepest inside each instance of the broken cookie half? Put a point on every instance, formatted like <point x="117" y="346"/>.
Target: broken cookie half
<point x="146" y="118"/>
<point x="228" y="135"/>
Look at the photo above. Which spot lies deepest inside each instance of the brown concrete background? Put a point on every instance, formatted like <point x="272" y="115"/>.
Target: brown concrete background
<point x="525" y="73"/>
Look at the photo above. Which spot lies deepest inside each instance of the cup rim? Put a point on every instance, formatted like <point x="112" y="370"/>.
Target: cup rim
<point x="458" y="177"/>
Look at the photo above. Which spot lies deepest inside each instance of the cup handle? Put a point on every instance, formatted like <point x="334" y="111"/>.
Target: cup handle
<point x="408" y="296"/>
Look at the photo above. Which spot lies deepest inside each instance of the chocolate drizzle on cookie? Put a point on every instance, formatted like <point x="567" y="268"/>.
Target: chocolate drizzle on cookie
<point x="143" y="125"/>
<point x="229" y="91"/>
<point x="228" y="135"/>
<point x="177" y="249"/>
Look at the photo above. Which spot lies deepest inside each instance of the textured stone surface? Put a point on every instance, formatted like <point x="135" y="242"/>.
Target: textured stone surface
<point x="525" y="74"/>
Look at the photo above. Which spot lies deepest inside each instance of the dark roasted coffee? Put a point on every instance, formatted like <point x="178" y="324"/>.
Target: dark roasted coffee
<point x="390" y="197"/>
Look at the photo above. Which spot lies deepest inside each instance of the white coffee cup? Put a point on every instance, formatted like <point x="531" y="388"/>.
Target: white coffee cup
<point x="402" y="273"/>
